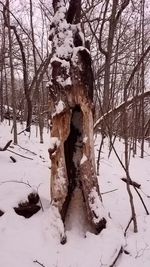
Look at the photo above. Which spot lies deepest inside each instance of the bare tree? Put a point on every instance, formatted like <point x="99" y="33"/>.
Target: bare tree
<point x="13" y="99"/>
<point x="2" y="59"/>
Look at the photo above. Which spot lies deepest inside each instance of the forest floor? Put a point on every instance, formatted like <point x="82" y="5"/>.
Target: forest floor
<point x="36" y="241"/>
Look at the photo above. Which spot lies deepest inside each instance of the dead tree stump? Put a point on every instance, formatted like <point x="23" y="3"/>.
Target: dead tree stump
<point x="71" y="97"/>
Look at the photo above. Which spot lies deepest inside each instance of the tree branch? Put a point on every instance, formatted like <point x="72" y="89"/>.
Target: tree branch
<point x="6" y="146"/>
<point x="121" y="107"/>
<point x="19" y="154"/>
<point x="41" y="264"/>
<point x="21" y="28"/>
<point x="101" y="31"/>
<point x="135" y="184"/>
<point x="123" y="6"/>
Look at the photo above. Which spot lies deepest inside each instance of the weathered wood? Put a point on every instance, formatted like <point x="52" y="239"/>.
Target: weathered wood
<point x="71" y="96"/>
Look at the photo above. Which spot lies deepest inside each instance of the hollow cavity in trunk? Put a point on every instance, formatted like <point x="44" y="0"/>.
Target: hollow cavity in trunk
<point x="73" y="148"/>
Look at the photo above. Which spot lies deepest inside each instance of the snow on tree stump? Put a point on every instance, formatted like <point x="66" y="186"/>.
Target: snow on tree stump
<point x="71" y="95"/>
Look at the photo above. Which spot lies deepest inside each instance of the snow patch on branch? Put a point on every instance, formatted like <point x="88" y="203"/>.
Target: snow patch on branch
<point x="64" y="63"/>
<point x="84" y="159"/>
<point x="60" y="107"/>
<point x="63" y="35"/>
<point x="85" y="139"/>
<point x="96" y="205"/>
<point x="54" y="142"/>
<point x="63" y="82"/>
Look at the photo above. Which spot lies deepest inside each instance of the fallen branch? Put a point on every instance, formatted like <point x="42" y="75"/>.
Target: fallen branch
<point x="117" y="257"/>
<point x="19" y="154"/>
<point x="135" y="184"/>
<point x="147" y="212"/>
<point x="122" y="249"/>
<point x="27" y="150"/>
<point x="109" y="191"/>
<point x="41" y="264"/>
<point x="6" y="146"/>
<point x="13" y="159"/>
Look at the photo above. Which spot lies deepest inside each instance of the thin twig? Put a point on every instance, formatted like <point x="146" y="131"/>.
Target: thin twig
<point x="147" y="212"/>
<point x="109" y="191"/>
<point x="121" y="249"/>
<point x="41" y="264"/>
<point x="117" y="257"/>
<point x="24" y="129"/>
<point x="19" y="154"/>
<point x="6" y="146"/>
<point x="27" y="150"/>
<point x="13" y="159"/>
<point x="125" y="231"/>
<point x="39" y="197"/>
<point x="15" y="181"/>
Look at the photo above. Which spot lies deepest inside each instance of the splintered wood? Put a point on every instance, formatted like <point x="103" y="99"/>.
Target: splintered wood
<point x="71" y="101"/>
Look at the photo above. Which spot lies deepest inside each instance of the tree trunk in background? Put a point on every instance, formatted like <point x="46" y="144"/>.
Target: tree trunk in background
<point x="2" y="61"/>
<point x="37" y="88"/>
<point x="113" y="20"/>
<point x="11" y="73"/>
<point x="142" y="81"/>
<point x="71" y="96"/>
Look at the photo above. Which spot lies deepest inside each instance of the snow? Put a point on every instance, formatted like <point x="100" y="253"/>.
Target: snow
<point x="62" y="34"/>
<point x="63" y="62"/>
<point x="64" y="51"/>
<point x="25" y="242"/>
<point x="83" y="159"/>
<point x="54" y="141"/>
<point x="77" y="121"/>
<point x="85" y="139"/>
<point x="96" y="205"/>
<point x="76" y="50"/>
<point x="63" y="82"/>
<point x="60" y="107"/>
<point x="61" y="182"/>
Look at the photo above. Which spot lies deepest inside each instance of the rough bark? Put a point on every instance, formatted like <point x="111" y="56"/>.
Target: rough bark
<point x="71" y="95"/>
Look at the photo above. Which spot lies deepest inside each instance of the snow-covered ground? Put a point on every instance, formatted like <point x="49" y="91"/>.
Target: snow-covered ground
<point x="36" y="241"/>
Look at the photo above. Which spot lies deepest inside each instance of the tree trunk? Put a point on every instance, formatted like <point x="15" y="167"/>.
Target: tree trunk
<point x="71" y="95"/>
<point x="13" y="92"/>
<point x="2" y="59"/>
